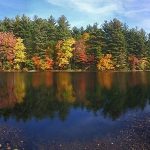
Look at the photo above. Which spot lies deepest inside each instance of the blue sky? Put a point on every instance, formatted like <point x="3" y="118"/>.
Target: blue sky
<point x="82" y="12"/>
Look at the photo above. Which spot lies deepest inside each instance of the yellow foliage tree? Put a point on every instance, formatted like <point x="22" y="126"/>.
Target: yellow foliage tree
<point x="105" y="63"/>
<point x="143" y="63"/>
<point x="64" y="53"/>
<point x="85" y="36"/>
<point x="20" y="54"/>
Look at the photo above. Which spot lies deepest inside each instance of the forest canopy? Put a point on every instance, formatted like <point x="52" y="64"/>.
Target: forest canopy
<point x="50" y="44"/>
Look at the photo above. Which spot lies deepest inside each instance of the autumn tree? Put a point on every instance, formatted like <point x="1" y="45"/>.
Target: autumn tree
<point x="106" y="63"/>
<point x="64" y="53"/>
<point x="7" y="51"/>
<point x="12" y="51"/>
<point x="79" y="54"/>
<point x="42" y="64"/>
<point x="20" y="54"/>
<point x="51" y="42"/>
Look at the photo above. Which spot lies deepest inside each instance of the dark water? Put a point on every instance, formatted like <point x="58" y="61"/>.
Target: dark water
<point x="68" y="107"/>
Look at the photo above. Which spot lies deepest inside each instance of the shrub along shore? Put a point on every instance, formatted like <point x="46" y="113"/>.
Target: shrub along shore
<point x="48" y="44"/>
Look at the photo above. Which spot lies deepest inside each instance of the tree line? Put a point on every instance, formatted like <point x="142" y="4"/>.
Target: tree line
<point x="50" y="44"/>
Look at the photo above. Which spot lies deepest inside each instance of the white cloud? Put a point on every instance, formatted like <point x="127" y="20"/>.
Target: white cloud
<point x="126" y="7"/>
<point x="88" y="6"/>
<point x="93" y="9"/>
<point x="131" y="11"/>
<point x="135" y="13"/>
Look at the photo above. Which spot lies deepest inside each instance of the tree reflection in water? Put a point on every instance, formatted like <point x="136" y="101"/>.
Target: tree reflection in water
<point x="41" y="95"/>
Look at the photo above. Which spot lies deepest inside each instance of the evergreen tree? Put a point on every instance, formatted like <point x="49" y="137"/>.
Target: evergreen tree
<point x="51" y="37"/>
<point x="136" y="42"/>
<point x="96" y="43"/>
<point x="76" y="33"/>
<point x="63" y="28"/>
<point x="39" y="37"/>
<point x="23" y="28"/>
<point x="148" y="46"/>
<point x="115" y="43"/>
<point x="6" y="25"/>
<point x="43" y="37"/>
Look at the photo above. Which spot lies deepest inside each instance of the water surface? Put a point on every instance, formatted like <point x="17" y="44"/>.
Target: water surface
<point x="72" y="107"/>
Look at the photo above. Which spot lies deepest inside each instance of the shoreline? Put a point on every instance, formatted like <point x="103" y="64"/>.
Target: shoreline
<point x="73" y="71"/>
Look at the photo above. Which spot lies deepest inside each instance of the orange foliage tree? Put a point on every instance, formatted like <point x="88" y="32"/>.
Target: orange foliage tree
<point x="7" y="44"/>
<point x="106" y="63"/>
<point x="40" y="64"/>
<point x="37" y="62"/>
<point x="12" y="51"/>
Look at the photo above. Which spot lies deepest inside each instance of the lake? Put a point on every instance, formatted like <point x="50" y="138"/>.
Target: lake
<point x="100" y="110"/>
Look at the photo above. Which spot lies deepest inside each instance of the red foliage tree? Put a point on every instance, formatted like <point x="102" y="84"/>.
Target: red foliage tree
<point x="134" y="62"/>
<point x="7" y="44"/>
<point x="91" y="59"/>
<point x="48" y="63"/>
<point x="79" y="53"/>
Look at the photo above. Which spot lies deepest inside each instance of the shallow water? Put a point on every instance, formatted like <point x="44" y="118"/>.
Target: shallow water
<point x="59" y="108"/>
